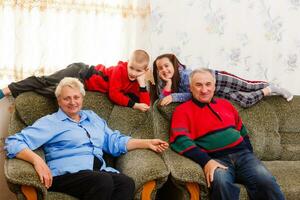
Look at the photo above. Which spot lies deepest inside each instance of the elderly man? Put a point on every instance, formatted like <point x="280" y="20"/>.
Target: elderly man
<point x="210" y="132"/>
<point x="74" y="141"/>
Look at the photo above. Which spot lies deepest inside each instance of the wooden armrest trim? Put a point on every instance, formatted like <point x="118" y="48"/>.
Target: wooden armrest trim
<point x="29" y="192"/>
<point x="147" y="190"/>
<point x="194" y="190"/>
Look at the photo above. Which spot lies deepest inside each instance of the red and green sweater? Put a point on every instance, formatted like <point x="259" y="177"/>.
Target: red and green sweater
<point x="202" y="131"/>
<point x="114" y="81"/>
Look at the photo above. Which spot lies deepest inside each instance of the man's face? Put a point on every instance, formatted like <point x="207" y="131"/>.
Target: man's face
<point x="136" y="69"/>
<point x="70" y="101"/>
<point x="202" y="87"/>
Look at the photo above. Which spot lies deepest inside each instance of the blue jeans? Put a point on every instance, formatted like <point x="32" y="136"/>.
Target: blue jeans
<point x="244" y="168"/>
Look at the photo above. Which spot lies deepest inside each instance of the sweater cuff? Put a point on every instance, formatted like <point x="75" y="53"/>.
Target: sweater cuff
<point x="198" y="156"/>
<point x="143" y="89"/>
<point x="130" y="103"/>
<point x="166" y="93"/>
<point x="204" y="160"/>
<point x="248" y="143"/>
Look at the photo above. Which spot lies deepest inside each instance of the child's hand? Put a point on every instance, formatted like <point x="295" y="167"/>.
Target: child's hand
<point x="164" y="77"/>
<point x="141" y="106"/>
<point x="158" y="145"/>
<point x="141" y="80"/>
<point x="166" y="100"/>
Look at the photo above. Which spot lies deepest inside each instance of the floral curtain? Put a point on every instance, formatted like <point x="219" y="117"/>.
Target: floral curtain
<point x="41" y="36"/>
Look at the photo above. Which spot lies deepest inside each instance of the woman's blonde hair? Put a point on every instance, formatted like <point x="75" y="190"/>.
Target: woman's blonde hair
<point x="201" y="71"/>
<point x="70" y="82"/>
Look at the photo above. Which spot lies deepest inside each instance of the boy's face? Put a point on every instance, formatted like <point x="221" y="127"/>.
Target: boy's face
<point x="136" y="69"/>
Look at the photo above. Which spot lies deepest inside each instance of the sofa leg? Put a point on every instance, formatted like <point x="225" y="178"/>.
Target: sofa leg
<point x="147" y="190"/>
<point x="29" y="192"/>
<point x="194" y="191"/>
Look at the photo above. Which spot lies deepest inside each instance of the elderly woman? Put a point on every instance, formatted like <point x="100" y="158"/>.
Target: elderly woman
<point x="74" y="141"/>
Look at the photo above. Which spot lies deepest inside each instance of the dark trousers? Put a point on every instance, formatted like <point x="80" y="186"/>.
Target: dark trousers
<point x="45" y="85"/>
<point x="95" y="185"/>
<point x="246" y="169"/>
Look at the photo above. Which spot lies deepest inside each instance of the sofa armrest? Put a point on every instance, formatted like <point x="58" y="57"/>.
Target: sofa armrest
<point x="21" y="173"/>
<point x="143" y="166"/>
<point x="184" y="171"/>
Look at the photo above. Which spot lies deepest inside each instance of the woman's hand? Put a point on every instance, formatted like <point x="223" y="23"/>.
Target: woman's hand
<point x="43" y="171"/>
<point x="39" y="165"/>
<point x="158" y="145"/>
<point x="166" y="100"/>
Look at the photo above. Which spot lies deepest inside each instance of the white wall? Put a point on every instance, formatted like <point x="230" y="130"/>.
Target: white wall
<point x="257" y="40"/>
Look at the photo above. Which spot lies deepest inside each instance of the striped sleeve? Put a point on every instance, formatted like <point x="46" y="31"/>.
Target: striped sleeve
<point x="182" y="143"/>
<point x="186" y="147"/>
<point x="238" y="122"/>
<point x="242" y="129"/>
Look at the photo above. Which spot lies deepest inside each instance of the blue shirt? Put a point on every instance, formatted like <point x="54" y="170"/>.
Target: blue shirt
<point x="69" y="146"/>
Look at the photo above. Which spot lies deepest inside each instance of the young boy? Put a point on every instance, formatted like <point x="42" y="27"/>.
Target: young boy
<point x="124" y="84"/>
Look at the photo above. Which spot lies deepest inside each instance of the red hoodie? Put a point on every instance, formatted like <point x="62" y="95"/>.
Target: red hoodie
<point x="114" y="81"/>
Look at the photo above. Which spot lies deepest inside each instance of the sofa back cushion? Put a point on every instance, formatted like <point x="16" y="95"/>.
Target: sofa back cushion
<point x="31" y="106"/>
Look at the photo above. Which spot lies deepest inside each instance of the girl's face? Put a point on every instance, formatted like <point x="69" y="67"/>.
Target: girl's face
<point x="165" y="68"/>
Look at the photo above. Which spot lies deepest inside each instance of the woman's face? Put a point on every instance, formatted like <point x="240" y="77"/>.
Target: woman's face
<point x="70" y="101"/>
<point x="165" y="68"/>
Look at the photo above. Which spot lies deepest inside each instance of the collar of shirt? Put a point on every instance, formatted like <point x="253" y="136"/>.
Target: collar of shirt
<point x="61" y="115"/>
<point x="201" y="104"/>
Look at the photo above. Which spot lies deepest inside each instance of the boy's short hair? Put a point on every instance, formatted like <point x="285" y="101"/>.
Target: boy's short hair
<point x="140" y="56"/>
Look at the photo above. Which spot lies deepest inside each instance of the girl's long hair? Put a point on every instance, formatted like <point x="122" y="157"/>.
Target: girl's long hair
<point x="176" y="77"/>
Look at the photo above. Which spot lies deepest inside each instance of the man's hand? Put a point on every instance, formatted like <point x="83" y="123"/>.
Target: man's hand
<point x="158" y="145"/>
<point x="43" y="171"/>
<point x="166" y="100"/>
<point x="141" y="106"/>
<point x="141" y="79"/>
<point x="209" y="170"/>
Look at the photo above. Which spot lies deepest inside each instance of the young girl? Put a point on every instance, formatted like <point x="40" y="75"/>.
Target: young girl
<point x="172" y="84"/>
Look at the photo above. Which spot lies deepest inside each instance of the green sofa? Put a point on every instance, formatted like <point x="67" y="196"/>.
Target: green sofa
<point x="144" y="166"/>
<point x="274" y="127"/>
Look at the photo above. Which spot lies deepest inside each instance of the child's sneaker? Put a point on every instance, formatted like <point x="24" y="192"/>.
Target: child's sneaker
<point x="281" y="91"/>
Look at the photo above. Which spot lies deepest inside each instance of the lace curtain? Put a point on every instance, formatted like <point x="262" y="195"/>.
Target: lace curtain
<point x="41" y="36"/>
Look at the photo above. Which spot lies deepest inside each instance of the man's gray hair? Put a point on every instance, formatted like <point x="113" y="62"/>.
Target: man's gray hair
<point x="201" y="70"/>
<point x="70" y="82"/>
